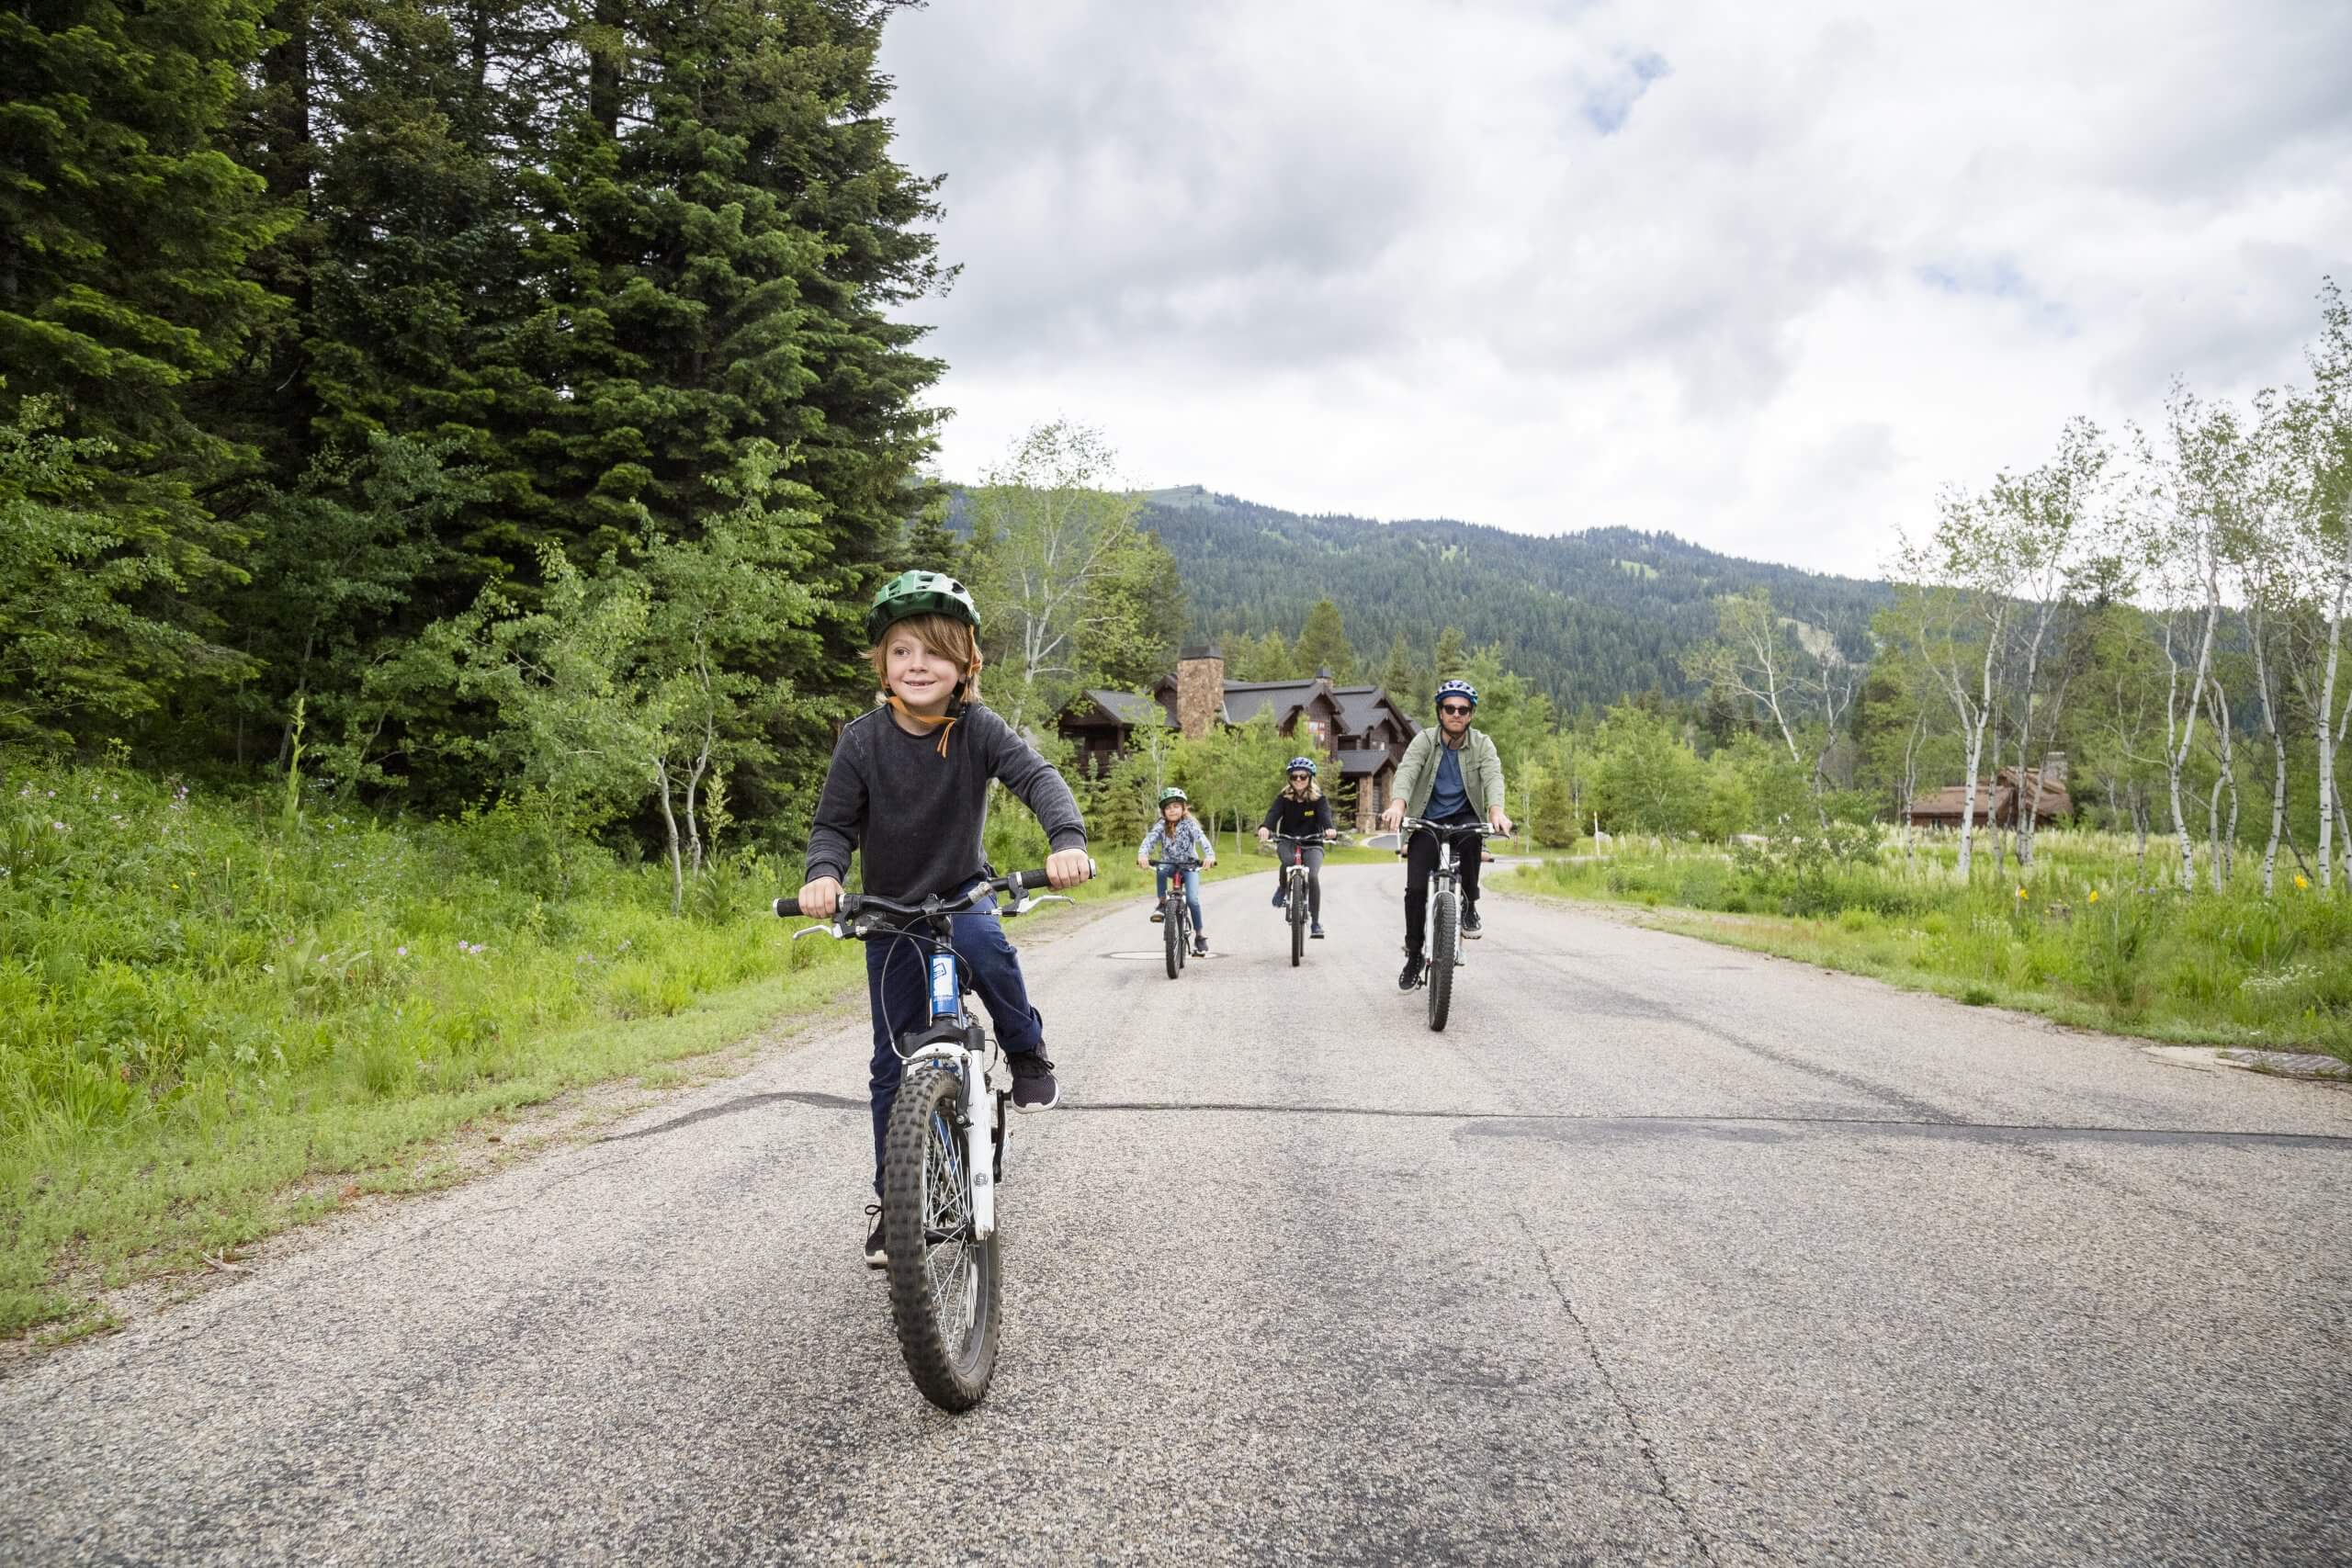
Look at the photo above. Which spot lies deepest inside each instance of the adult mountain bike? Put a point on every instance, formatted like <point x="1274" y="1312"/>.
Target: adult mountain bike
<point x="1176" y="914"/>
<point x="1445" y="926"/>
<point x="1295" y="891"/>
<point x="943" y="1151"/>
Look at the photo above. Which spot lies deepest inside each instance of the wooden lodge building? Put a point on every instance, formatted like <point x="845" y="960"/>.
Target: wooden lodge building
<point x="1997" y="802"/>
<point x="1358" y="732"/>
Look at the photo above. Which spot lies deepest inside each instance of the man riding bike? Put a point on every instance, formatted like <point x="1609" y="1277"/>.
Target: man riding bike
<point x="1448" y="777"/>
<point x="1301" y="811"/>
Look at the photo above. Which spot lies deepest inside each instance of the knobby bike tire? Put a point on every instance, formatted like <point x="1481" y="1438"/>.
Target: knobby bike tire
<point x="944" y="1295"/>
<point x="1174" y="927"/>
<point x="1297" y="920"/>
<point x="1443" y="920"/>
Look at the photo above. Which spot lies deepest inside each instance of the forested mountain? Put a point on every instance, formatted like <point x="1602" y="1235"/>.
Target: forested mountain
<point x="1587" y="618"/>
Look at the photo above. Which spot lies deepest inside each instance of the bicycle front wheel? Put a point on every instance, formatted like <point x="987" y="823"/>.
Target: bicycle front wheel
<point x="1174" y="926"/>
<point x="1445" y="920"/>
<point x="1297" y="920"/>
<point x="943" y="1280"/>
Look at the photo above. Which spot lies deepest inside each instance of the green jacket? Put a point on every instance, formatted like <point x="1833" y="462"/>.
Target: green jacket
<point x="1482" y="772"/>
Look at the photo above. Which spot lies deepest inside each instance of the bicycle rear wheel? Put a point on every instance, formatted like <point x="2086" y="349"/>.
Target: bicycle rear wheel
<point x="943" y="1282"/>
<point x="1445" y="918"/>
<point x="1297" y="920"/>
<point x="1174" y="927"/>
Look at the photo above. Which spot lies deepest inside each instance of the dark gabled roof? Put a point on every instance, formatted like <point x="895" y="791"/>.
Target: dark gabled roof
<point x="1125" y="707"/>
<point x="1244" y="698"/>
<point x="1357" y="764"/>
<point x="1360" y="707"/>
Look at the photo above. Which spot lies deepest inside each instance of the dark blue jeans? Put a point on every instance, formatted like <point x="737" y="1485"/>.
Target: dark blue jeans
<point x="898" y="989"/>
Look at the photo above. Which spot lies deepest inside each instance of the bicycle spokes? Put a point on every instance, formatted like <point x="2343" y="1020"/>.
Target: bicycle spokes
<point x="947" y="1231"/>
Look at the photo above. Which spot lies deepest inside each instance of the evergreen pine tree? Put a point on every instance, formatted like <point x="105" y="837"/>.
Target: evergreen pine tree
<point x="929" y="544"/>
<point x="1401" y="677"/>
<point x="124" y="231"/>
<point x="1452" y="659"/>
<point x="1323" y="643"/>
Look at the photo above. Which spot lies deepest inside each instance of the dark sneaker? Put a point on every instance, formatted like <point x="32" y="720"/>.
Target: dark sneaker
<point x="1470" y="921"/>
<point x="1412" y="974"/>
<point x="1314" y="929"/>
<point x="1158" y="916"/>
<point x="875" y="1257"/>
<point x="1281" y="896"/>
<point x="1200" y="947"/>
<point x="1033" y="1088"/>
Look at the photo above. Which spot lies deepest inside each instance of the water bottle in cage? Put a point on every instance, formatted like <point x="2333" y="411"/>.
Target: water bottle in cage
<point x="944" y="990"/>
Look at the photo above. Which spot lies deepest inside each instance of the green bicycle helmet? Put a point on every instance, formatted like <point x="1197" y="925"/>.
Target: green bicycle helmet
<point x="1172" y="793"/>
<point x="919" y="594"/>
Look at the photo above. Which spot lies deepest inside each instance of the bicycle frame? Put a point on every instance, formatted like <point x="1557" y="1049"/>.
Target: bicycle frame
<point x="1443" y="874"/>
<point x="1178" y="907"/>
<point x="952" y="1039"/>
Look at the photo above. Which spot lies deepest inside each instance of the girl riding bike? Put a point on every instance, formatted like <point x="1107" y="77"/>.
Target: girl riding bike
<point x="1177" y="837"/>
<point x="908" y="793"/>
<point x="1301" y="811"/>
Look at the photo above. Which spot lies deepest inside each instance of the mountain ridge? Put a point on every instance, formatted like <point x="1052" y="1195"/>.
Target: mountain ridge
<point x="1590" y="616"/>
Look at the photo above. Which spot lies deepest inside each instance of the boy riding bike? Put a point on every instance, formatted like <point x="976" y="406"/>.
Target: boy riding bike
<point x="908" y="790"/>
<point x="1449" y="776"/>
<point x="1177" y="837"/>
<point x="1301" y="811"/>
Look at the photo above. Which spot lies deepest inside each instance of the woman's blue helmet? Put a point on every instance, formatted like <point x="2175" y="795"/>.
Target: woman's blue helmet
<point x="1302" y="764"/>
<point x="1463" y="689"/>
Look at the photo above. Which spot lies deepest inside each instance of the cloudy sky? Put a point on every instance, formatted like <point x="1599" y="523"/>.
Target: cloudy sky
<point x="1765" y="276"/>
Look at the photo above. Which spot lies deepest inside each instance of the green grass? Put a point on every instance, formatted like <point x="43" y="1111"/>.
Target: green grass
<point x="2080" y="939"/>
<point x="215" y="1024"/>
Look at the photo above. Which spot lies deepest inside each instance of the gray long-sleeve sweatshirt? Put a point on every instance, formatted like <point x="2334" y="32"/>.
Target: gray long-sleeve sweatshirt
<point x="918" y="816"/>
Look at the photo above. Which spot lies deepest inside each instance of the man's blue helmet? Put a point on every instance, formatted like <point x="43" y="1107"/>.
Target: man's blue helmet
<point x="1302" y="764"/>
<point x="1463" y="689"/>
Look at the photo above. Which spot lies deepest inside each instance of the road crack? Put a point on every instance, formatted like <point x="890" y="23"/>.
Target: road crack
<point x="1642" y="1439"/>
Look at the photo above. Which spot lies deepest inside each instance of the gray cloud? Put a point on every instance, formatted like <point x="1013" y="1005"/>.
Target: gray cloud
<point x="1767" y="275"/>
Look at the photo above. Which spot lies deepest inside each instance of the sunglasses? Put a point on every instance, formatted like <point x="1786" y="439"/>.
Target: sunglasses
<point x="1455" y="708"/>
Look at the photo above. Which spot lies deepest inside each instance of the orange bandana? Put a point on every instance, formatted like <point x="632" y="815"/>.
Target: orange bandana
<point x="943" y="723"/>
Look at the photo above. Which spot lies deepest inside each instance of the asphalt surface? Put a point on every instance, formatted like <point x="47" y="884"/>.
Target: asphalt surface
<point x="1660" y="1253"/>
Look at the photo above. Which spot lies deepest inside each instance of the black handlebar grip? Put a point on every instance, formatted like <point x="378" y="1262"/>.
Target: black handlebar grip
<point x="788" y="909"/>
<point x="1032" y="878"/>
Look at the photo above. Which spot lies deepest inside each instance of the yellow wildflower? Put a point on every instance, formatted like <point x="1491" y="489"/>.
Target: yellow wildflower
<point x="2020" y="892"/>
<point x="2094" y="895"/>
<point x="2299" y="882"/>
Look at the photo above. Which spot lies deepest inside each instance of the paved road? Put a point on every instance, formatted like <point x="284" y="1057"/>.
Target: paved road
<point x="1662" y="1253"/>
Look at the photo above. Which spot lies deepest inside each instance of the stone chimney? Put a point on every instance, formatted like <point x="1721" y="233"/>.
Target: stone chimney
<point x="1199" y="691"/>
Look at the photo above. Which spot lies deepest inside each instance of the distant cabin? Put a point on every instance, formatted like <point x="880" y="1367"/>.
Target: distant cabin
<point x="1997" y="802"/>
<point x="1359" y="733"/>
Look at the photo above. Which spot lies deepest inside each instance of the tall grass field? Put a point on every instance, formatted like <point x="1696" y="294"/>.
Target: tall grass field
<point x="2084" y="936"/>
<point x="219" y="1016"/>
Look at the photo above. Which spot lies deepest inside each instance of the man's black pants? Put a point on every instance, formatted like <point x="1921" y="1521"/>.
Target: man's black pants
<point x="1420" y="859"/>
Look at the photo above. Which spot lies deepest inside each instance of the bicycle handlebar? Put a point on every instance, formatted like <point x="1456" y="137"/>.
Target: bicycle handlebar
<point x="1417" y="825"/>
<point x="851" y="904"/>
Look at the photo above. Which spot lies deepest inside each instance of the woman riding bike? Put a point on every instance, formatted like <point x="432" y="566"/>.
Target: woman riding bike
<point x="1300" y="811"/>
<point x="1177" y="837"/>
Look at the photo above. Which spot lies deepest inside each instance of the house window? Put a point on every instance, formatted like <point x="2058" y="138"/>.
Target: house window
<point x="1322" y="733"/>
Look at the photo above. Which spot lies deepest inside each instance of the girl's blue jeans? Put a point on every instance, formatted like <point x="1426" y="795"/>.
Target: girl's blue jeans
<point x="1191" y="893"/>
<point x="898" y="987"/>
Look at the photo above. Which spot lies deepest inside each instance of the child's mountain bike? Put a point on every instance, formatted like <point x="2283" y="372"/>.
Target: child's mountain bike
<point x="1176" y="915"/>
<point x="943" y="1152"/>
<point x="1295" y="898"/>
<point x="1444" y="925"/>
